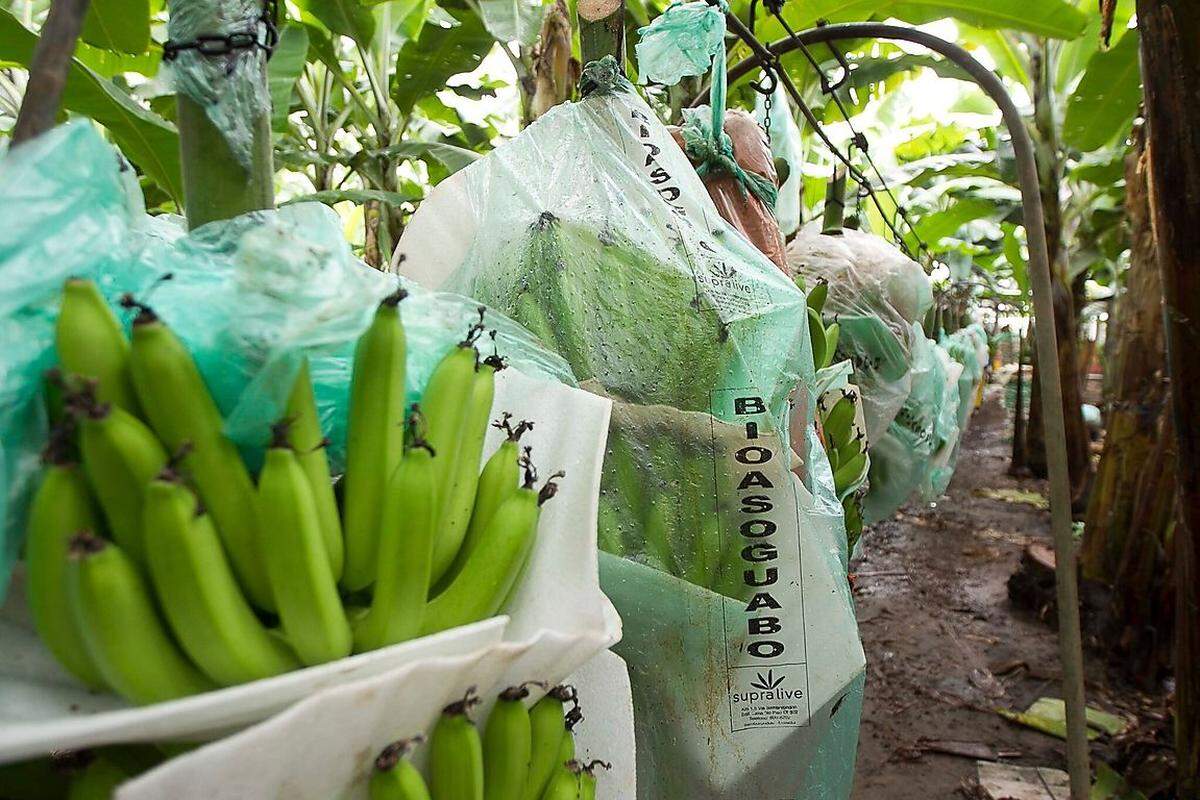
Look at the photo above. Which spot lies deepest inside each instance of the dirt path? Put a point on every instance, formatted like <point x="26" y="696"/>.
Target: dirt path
<point x="943" y="642"/>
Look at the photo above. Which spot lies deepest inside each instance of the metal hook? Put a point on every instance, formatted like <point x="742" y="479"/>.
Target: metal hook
<point x="767" y="84"/>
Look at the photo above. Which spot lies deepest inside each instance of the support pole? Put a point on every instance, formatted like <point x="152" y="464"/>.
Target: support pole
<point x="602" y="30"/>
<point x="48" y="69"/>
<point x="1066" y="575"/>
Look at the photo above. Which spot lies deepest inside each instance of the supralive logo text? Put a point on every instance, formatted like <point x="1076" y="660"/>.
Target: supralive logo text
<point x="759" y="552"/>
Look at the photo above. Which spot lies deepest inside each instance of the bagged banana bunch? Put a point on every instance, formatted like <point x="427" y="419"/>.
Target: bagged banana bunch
<point x="724" y="549"/>
<point x="947" y="433"/>
<point x="878" y="296"/>
<point x="194" y="396"/>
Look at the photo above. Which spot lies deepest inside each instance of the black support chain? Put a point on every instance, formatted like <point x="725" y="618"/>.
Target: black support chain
<point x="264" y="36"/>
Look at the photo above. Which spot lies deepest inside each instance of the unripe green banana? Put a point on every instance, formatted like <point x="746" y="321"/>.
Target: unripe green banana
<point x="302" y="583"/>
<point x="832" y="334"/>
<point x="850" y="449"/>
<point x="99" y="781"/>
<point x="61" y="507"/>
<point x="395" y="777"/>
<point x="587" y="779"/>
<point x="816" y="298"/>
<point x="507" y="741"/>
<point x="816" y="335"/>
<point x="499" y="480"/>
<point x="456" y="753"/>
<point x="309" y="442"/>
<point x="374" y="437"/>
<point x="495" y="568"/>
<point x="405" y="550"/>
<point x="464" y="473"/>
<point x="564" y="782"/>
<point x="835" y="459"/>
<point x="849" y="472"/>
<point x="548" y="728"/>
<point x="198" y="594"/>
<point x="566" y="748"/>
<point x="838" y="421"/>
<point x="120" y="456"/>
<point x="181" y="411"/>
<point x="122" y="630"/>
<point x="91" y="343"/>
<point x="445" y="406"/>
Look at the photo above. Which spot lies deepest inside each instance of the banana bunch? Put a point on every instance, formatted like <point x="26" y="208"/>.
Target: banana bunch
<point x="845" y="446"/>
<point x="159" y="566"/>
<point x="92" y="774"/>
<point x="824" y="338"/>
<point x="524" y="753"/>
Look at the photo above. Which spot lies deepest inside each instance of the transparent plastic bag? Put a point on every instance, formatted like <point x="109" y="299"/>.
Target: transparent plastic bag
<point x="248" y="296"/>
<point x="878" y="296"/>
<point x="593" y="230"/>
<point x="947" y="431"/>
<point x="786" y="147"/>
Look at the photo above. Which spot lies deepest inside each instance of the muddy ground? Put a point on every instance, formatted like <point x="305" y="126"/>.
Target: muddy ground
<point x="944" y="644"/>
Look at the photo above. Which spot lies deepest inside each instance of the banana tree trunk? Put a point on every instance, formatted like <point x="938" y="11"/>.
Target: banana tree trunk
<point x="216" y="183"/>
<point x="1170" y="39"/>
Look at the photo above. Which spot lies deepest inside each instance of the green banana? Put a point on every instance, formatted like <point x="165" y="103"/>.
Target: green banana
<point x="302" y="583"/>
<point x="464" y="472"/>
<point x="121" y="628"/>
<point x="853" y="519"/>
<point x="405" y="549"/>
<point x="181" y="410"/>
<point x="309" y="442"/>
<point x="495" y="568"/>
<point x="832" y="334"/>
<point x="47" y="778"/>
<point x="91" y="343"/>
<point x="61" y="507"/>
<point x="198" y="594"/>
<point x="395" y="777"/>
<point x="587" y="779"/>
<point x="816" y="298"/>
<point x="499" y="480"/>
<point x="99" y="781"/>
<point x="850" y="449"/>
<point x="374" y="437"/>
<point x="548" y="727"/>
<point x="838" y="421"/>
<point x="816" y="335"/>
<point x="456" y="753"/>
<point x="564" y="782"/>
<point x="849" y="472"/>
<point x="120" y="456"/>
<point x="566" y="748"/>
<point x="834" y="459"/>
<point x="446" y="402"/>
<point x="507" y="742"/>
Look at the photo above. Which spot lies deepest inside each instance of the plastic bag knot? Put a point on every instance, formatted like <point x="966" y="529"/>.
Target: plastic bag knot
<point x="603" y="76"/>
<point x="714" y="154"/>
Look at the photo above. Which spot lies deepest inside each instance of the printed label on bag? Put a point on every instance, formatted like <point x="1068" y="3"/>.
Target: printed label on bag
<point x="765" y="649"/>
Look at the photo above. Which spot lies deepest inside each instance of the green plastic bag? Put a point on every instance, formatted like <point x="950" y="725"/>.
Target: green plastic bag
<point x="248" y="296"/>
<point x="592" y="229"/>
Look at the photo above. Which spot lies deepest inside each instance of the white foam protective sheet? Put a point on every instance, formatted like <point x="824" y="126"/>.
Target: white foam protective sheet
<point x="559" y="605"/>
<point x="606" y="732"/>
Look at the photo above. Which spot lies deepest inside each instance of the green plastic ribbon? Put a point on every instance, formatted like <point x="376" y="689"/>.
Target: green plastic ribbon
<point x="711" y="150"/>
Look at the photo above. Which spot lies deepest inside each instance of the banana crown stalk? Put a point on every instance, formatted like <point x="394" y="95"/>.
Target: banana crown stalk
<point x="394" y="777"/>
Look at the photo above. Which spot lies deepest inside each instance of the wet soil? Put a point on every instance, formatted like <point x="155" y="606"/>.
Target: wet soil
<point x="944" y="643"/>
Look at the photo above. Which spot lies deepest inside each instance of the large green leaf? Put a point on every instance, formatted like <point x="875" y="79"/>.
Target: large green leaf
<point x="121" y="25"/>
<point x="1015" y="257"/>
<point x="147" y="139"/>
<point x="452" y="157"/>
<point x="1054" y="18"/>
<point x="1106" y="100"/>
<point x="284" y="68"/>
<point x="424" y="66"/>
<point x="1011" y="62"/>
<point x="513" y="20"/>
<point x="345" y="17"/>
<point x="941" y="139"/>
<point x="933" y="227"/>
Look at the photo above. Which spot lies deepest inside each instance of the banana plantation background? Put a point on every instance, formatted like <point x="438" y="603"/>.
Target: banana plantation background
<point x="374" y="103"/>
